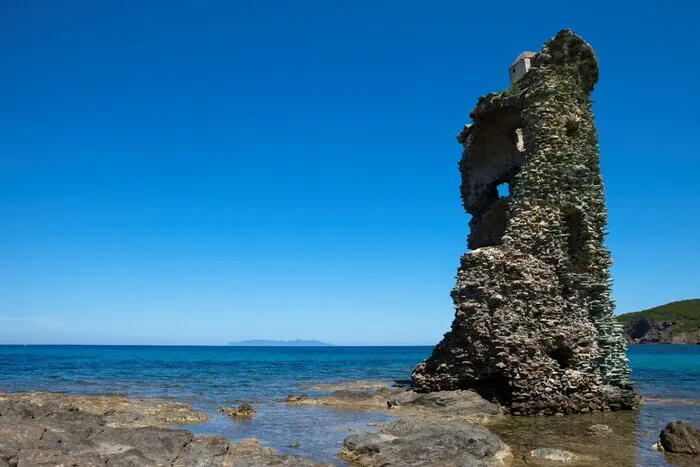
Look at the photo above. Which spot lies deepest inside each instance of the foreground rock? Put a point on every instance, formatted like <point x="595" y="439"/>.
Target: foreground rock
<point x="450" y="405"/>
<point x="118" y="411"/>
<point x="350" y="399"/>
<point x="465" y="405"/>
<point x="419" y="442"/>
<point x="357" y="385"/>
<point x="680" y="437"/>
<point x="54" y="433"/>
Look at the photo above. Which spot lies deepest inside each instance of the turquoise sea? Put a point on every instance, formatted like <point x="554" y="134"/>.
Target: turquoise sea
<point x="667" y="376"/>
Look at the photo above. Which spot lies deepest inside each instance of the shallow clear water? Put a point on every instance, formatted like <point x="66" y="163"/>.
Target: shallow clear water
<point x="668" y="377"/>
<point x="211" y="377"/>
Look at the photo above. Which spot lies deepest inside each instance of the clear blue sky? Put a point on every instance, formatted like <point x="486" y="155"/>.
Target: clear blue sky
<point x="195" y="172"/>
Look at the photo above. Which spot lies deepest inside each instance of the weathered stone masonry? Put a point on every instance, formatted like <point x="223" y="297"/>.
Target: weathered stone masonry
<point x="533" y="323"/>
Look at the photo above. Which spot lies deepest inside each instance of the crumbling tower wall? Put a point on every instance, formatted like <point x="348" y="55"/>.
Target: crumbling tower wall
<point x="533" y="323"/>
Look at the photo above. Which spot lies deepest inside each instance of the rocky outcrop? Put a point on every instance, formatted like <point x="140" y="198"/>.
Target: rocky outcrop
<point x="445" y="405"/>
<point x="680" y="437"/>
<point x="533" y="325"/>
<point x="118" y="411"/>
<point x="348" y="399"/>
<point x="460" y="405"/>
<point x="650" y="331"/>
<point x="294" y="398"/>
<point x="244" y="411"/>
<point x="46" y="432"/>
<point x="646" y="331"/>
<point x="672" y="323"/>
<point x="355" y="385"/>
<point x="414" y="442"/>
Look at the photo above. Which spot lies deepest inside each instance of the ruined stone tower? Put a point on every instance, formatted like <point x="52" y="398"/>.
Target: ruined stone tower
<point x="533" y="323"/>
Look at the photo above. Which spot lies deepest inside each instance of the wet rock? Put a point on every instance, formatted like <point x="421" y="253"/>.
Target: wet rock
<point x="293" y="398"/>
<point x="464" y="405"/>
<point x="242" y="411"/>
<point x="556" y="455"/>
<point x="600" y="429"/>
<point x="420" y="442"/>
<point x="350" y="396"/>
<point x="657" y="447"/>
<point x="681" y="437"/>
<point x="391" y="391"/>
<point x="349" y="399"/>
<point x="360" y="385"/>
<point x="452" y="404"/>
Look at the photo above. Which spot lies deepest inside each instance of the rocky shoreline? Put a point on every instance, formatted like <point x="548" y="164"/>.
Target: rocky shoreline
<point x="47" y="429"/>
<point x="649" y="331"/>
<point x="448" y="428"/>
<point x="673" y="323"/>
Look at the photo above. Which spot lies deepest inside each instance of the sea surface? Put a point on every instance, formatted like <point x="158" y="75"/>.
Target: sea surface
<point x="667" y="376"/>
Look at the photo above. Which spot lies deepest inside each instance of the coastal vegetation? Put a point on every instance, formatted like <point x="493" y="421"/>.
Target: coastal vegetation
<point x="672" y="323"/>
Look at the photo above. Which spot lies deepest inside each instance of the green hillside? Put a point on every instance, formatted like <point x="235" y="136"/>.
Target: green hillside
<point x="675" y="322"/>
<point x="685" y="313"/>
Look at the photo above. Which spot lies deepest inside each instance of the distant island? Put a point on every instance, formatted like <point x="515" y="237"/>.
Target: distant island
<point x="673" y="323"/>
<point x="272" y="343"/>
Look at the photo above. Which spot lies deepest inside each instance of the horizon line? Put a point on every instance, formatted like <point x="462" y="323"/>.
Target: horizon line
<point x="216" y="345"/>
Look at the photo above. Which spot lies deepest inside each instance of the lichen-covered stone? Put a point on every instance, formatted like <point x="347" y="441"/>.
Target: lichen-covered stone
<point x="533" y="325"/>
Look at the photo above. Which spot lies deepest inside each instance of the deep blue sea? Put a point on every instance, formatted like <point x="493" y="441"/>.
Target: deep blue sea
<point x="668" y="376"/>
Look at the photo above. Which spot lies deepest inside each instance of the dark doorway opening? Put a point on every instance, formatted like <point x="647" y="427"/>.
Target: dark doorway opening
<point x="562" y="355"/>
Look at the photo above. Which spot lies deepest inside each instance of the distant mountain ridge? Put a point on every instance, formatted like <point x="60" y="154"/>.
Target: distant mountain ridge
<point x="673" y="323"/>
<point x="273" y="343"/>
